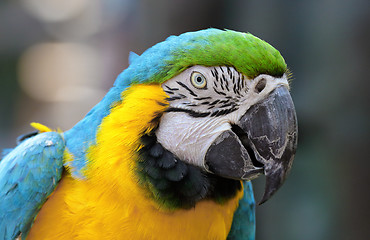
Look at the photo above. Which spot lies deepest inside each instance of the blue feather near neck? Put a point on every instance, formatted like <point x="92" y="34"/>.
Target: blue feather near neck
<point x="83" y="134"/>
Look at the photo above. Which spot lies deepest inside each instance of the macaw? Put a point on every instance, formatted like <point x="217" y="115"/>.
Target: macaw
<point x="168" y="153"/>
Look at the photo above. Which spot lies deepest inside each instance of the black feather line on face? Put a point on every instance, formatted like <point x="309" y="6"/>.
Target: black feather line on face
<point x="222" y="85"/>
<point x="215" y="84"/>
<point x="175" y="98"/>
<point x="168" y="92"/>
<point x="191" y="113"/>
<point x="187" y="88"/>
<point x="216" y="74"/>
<point x="213" y="74"/>
<point x="214" y="102"/>
<point x="227" y="105"/>
<point x="218" y="113"/>
<point x="177" y="184"/>
<point x="229" y="71"/>
<point x="238" y="84"/>
<point x="220" y="93"/>
<point x="171" y="89"/>
<point x="226" y="82"/>
<point x="202" y="98"/>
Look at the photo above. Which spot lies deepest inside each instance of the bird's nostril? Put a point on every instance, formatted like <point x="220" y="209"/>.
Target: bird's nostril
<point x="260" y="85"/>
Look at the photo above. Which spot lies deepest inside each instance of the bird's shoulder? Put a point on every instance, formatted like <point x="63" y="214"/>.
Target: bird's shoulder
<point x="28" y="175"/>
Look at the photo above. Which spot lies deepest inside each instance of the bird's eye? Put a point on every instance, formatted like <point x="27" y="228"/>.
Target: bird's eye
<point x="198" y="80"/>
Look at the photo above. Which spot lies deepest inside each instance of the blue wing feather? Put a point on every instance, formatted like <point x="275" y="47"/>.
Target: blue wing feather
<point x="244" y="222"/>
<point x="28" y="175"/>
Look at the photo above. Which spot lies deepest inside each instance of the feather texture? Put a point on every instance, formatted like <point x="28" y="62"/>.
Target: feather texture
<point x="28" y="175"/>
<point x="244" y="221"/>
<point x="109" y="203"/>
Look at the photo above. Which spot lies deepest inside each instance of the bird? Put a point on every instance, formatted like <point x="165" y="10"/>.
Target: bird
<point x="168" y="153"/>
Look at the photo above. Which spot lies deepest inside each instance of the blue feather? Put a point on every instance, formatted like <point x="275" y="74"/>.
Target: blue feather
<point x="132" y="57"/>
<point x="244" y="221"/>
<point x="28" y="175"/>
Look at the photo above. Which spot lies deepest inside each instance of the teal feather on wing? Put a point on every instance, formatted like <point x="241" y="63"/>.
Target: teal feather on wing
<point x="28" y="175"/>
<point x="244" y="221"/>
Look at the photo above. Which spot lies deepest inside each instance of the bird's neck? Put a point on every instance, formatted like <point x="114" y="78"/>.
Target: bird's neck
<point x="83" y="134"/>
<point x="112" y="166"/>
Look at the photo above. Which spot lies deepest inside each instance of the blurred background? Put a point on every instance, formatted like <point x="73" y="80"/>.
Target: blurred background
<point x="59" y="58"/>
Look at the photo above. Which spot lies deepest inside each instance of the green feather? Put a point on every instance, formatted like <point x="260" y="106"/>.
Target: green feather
<point x="212" y="47"/>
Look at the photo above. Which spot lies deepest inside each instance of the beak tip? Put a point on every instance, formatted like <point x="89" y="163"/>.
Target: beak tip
<point x="267" y="195"/>
<point x="262" y="201"/>
<point x="275" y="177"/>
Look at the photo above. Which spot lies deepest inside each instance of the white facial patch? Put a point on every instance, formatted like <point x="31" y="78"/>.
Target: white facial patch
<point x="188" y="137"/>
<point x="198" y="113"/>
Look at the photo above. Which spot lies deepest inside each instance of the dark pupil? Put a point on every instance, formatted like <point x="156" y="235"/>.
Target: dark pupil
<point x="199" y="79"/>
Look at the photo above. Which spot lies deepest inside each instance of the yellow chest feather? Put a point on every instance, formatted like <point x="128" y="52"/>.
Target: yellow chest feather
<point x="77" y="211"/>
<point x="109" y="203"/>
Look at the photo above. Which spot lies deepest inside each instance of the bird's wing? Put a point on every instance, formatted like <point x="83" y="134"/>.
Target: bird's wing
<point x="28" y="175"/>
<point x="244" y="222"/>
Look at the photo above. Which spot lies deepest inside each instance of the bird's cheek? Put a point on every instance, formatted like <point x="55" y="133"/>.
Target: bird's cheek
<point x="188" y="137"/>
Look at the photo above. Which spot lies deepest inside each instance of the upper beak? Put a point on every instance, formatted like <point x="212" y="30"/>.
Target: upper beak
<point x="264" y="141"/>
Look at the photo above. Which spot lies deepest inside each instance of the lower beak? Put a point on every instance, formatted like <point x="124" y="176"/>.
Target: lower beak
<point x="263" y="142"/>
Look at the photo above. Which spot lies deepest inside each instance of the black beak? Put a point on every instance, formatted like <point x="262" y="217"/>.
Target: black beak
<point x="263" y="142"/>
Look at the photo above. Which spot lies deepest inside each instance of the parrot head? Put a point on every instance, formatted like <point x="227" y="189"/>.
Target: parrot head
<point x="228" y="110"/>
<point x="243" y="127"/>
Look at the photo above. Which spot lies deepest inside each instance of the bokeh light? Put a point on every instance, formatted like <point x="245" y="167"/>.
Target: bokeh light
<point x="60" y="72"/>
<point x="54" y="10"/>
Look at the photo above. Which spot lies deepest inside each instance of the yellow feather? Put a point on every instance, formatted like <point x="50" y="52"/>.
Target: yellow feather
<point x="42" y="128"/>
<point x="110" y="204"/>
